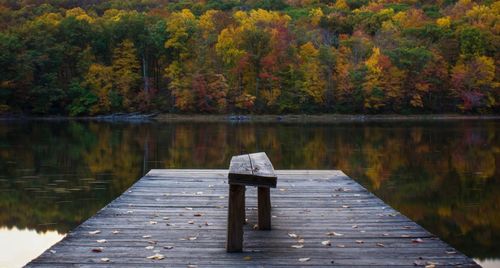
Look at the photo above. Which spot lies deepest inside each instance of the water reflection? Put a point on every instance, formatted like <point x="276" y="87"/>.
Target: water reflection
<point x="54" y="175"/>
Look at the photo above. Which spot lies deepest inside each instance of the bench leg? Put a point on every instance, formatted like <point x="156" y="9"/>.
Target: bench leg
<point x="264" y="210"/>
<point x="235" y="218"/>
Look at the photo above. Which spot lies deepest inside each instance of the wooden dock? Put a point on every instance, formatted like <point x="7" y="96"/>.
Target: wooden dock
<point x="178" y="218"/>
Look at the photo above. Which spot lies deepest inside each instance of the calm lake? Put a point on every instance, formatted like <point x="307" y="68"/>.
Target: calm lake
<point x="445" y="175"/>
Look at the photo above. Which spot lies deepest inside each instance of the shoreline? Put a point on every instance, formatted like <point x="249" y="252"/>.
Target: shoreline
<point x="265" y="118"/>
<point x="316" y="118"/>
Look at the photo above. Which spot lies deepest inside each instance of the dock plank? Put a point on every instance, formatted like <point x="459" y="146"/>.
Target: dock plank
<point x="182" y="215"/>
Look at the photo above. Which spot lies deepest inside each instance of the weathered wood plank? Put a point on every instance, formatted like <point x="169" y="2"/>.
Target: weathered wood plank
<point x="252" y="169"/>
<point x="182" y="214"/>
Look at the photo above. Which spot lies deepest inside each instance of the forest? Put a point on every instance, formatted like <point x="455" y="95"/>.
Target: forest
<point x="85" y="58"/>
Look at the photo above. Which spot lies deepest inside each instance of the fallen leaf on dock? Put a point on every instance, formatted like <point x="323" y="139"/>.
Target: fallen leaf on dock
<point x="207" y="224"/>
<point x="153" y="222"/>
<point x="97" y="250"/>
<point x="344" y="206"/>
<point x="451" y="252"/>
<point x="115" y="232"/>
<point x="95" y="232"/>
<point x="333" y="234"/>
<point x="104" y="259"/>
<point x="292" y="235"/>
<point x="326" y="243"/>
<point x="52" y="251"/>
<point x="102" y="241"/>
<point x="146" y="236"/>
<point x="152" y="242"/>
<point x="157" y="256"/>
<point x="150" y="247"/>
<point x="381" y="245"/>
<point x="191" y="222"/>
<point x="192" y="266"/>
<point x="417" y="240"/>
<point x="359" y="241"/>
<point x="300" y="241"/>
<point x="168" y="247"/>
<point x="192" y="238"/>
<point x="198" y="214"/>
<point x="340" y="246"/>
<point x="297" y="246"/>
<point x="188" y="208"/>
<point x="355" y="226"/>
<point x="247" y="258"/>
<point x="304" y="259"/>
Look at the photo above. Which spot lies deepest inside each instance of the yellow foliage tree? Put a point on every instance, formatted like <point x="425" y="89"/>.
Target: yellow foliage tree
<point x="313" y="84"/>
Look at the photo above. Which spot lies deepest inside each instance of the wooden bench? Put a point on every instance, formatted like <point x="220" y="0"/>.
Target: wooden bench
<point x="252" y="170"/>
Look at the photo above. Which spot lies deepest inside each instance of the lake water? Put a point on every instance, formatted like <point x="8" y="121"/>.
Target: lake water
<point x="443" y="175"/>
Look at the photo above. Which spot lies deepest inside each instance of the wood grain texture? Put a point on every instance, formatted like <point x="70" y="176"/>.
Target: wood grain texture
<point x="252" y="169"/>
<point x="182" y="215"/>
<point x="235" y="218"/>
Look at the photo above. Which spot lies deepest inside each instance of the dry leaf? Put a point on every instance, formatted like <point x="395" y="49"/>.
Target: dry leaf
<point x="405" y="235"/>
<point x="359" y="241"/>
<point x="344" y="206"/>
<point x="97" y="250"/>
<point x="198" y="215"/>
<point x="340" y="246"/>
<point x="304" y="259"/>
<point x="385" y="234"/>
<point x="297" y="246"/>
<point x="300" y="241"/>
<point x="188" y="208"/>
<point x="193" y="238"/>
<point x="333" y="234"/>
<point x="381" y="245"/>
<point x="430" y="266"/>
<point x="207" y="224"/>
<point x="157" y="256"/>
<point x="52" y="251"/>
<point x="191" y="222"/>
<point x="192" y="266"/>
<point x="102" y="241"/>
<point x="115" y="232"/>
<point x="451" y="252"/>
<point x="150" y="247"/>
<point x="355" y="226"/>
<point x="417" y="240"/>
<point x="292" y="235"/>
<point x="95" y="232"/>
<point x="247" y="258"/>
<point x="105" y="259"/>
<point x="152" y="242"/>
<point x="153" y="222"/>
<point x="326" y="243"/>
<point x="168" y="247"/>
<point x="146" y="236"/>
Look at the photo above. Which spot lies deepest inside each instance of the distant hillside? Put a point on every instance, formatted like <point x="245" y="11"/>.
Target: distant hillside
<point x="346" y="56"/>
